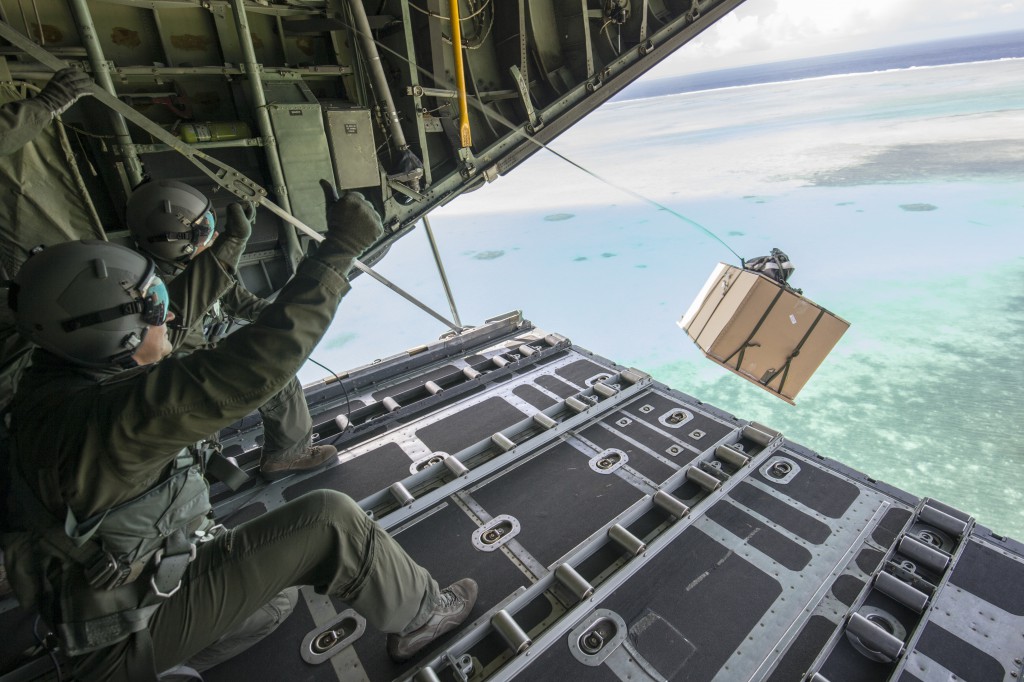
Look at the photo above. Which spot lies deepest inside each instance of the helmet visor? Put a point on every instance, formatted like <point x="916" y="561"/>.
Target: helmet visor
<point x="155" y="301"/>
<point x="203" y="229"/>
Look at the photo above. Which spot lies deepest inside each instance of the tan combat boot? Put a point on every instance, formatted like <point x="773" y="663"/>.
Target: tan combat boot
<point x="453" y="606"/>
<point x="310" y="459"/>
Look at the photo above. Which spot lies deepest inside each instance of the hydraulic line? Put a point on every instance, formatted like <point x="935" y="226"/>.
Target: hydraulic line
<point x="465" y="137"/>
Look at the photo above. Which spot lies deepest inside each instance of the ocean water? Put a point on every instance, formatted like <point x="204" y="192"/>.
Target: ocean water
<point x="898" y="194"/>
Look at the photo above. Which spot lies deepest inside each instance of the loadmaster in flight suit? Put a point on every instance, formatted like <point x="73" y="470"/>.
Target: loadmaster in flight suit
<point x="173" y="222"/>
<point x="109" y="533"/>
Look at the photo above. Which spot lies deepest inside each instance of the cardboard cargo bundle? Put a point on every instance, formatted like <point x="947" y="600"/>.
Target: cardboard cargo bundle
<point x="761" y="329"/>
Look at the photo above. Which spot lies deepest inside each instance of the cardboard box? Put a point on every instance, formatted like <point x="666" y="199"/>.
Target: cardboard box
<point x="763" y="331"/>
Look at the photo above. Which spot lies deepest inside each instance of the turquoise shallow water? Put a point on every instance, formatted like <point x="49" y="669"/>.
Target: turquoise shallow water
<point x="900" y="197"/>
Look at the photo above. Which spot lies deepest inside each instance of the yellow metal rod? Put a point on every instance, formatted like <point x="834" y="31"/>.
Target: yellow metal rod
<point x="465" y="136"/>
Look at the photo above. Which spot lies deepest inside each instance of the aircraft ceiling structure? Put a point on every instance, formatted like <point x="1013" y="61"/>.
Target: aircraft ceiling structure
<point x="365" y="94"/>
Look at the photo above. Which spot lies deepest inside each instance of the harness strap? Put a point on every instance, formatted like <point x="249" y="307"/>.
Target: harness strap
<point x="81" y="637"/>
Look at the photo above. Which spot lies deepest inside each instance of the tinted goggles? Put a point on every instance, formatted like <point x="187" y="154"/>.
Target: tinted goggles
<point x="155" y="301"/>
<point x="203" y="229"/>
<point x="151" y="305"/>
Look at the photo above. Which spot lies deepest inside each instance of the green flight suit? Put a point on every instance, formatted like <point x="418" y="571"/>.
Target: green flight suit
<point x="287" y="425"/>
<point x="114" y="433"/>
<point x="42" y="201"/>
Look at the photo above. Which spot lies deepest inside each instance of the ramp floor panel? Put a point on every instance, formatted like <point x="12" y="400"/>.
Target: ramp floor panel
<point x="556" y="386"/>
<point x="992" y="576"/>
<point x="666" y="605"/>
<point x="442" y="543"/>
<point x="958" y="657"/>
<point x="639" y="460"/>
<point x="803" y="650"/>
<point x="758" y="535"/>
<point x="654" y="406"/>
<point x="359" y="477"/>
<point x="577" y="373"/>
<point x="816" y="488"/>
<point x="774" y="509"/>
<point x="558" y="500"/>
<point x="653" y="437"/>
<point x="469" y="426"/>
<point x="534" y="396"/>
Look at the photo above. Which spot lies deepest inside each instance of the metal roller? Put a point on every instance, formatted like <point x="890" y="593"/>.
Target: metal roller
<point x="390" y="404"/>
<point x="604" y="389"/>
<point x="703" y="479"/>
<point x="554" y="339"/>
<point x="544" y="420"/>
<point x="948" y="524"/>
<point x="499" y="361"/>
<point x="401" y="494"/>
<point x="573" y="581"/>
<point x="502" y="441"/>
<point x="342" y="422"/>
<point x="671" y="504"/>
<point x="432" y="388"/>
<point x="901" y="592"/>
<point x="510" y="631"/>
<point x="874" y="637"/>
<point x="629" y="542"/>
<point x="924" y="555"/>
<point x="470" y="373"/>
<point x="575" y="404"/>
<point x="817" y="677"/>
<point x="754" y="431"/>
<point x="426" y="674"/>
<point x="455" y="465"/>
<point x="633" y="376"/>
<point x="526" y="350"/>
<point x="731" y="456"/>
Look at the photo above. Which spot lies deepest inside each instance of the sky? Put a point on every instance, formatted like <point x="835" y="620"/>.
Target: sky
<point x="760" y="31"/>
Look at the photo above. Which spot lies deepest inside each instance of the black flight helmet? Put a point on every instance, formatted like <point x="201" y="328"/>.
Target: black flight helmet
<point x="90" y="301"/>
<point x="170" y="220"/>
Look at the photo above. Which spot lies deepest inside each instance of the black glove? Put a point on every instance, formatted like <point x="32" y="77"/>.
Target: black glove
<point x="352" y="222"/>
<point x="64" y="89"/>
<point x="239" y="225"/>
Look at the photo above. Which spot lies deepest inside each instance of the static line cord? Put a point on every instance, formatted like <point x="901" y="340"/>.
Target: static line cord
<point x="348" y="401"/>
<point x="489" y="112"/>
<point x="641" y="197"/>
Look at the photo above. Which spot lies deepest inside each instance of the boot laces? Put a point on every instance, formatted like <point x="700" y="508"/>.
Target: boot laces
<point x="447" y="599"/>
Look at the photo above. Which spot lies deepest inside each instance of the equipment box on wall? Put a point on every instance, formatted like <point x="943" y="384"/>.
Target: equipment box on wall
<point x="762" y="330"/>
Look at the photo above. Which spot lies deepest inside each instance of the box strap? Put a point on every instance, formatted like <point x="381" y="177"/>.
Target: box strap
<point x="796" y="351"/>
<point x="746" y="344"/>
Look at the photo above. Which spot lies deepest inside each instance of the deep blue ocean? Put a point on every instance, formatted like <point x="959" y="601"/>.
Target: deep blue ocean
<point x="898" y="192"/>
<point x="977" y="48"/>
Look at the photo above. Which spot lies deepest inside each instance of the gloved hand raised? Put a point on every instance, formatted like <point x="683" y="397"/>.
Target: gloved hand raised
<point x="241" y="215"/>
<point x="64" y="89"/>
<point x="237" y="229"/>
<point x="352" y="222"/>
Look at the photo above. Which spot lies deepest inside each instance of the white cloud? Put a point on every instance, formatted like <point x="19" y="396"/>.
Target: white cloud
<point x="772" y="30"/>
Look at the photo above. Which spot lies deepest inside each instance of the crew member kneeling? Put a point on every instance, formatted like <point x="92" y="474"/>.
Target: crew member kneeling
<point x="110" y="535"/>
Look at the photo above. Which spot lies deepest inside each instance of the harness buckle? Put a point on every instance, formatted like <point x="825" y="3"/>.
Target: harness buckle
<point x="107" y="572"/>
<point x="173" y="564"/>
<point x="209" y="534"/>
